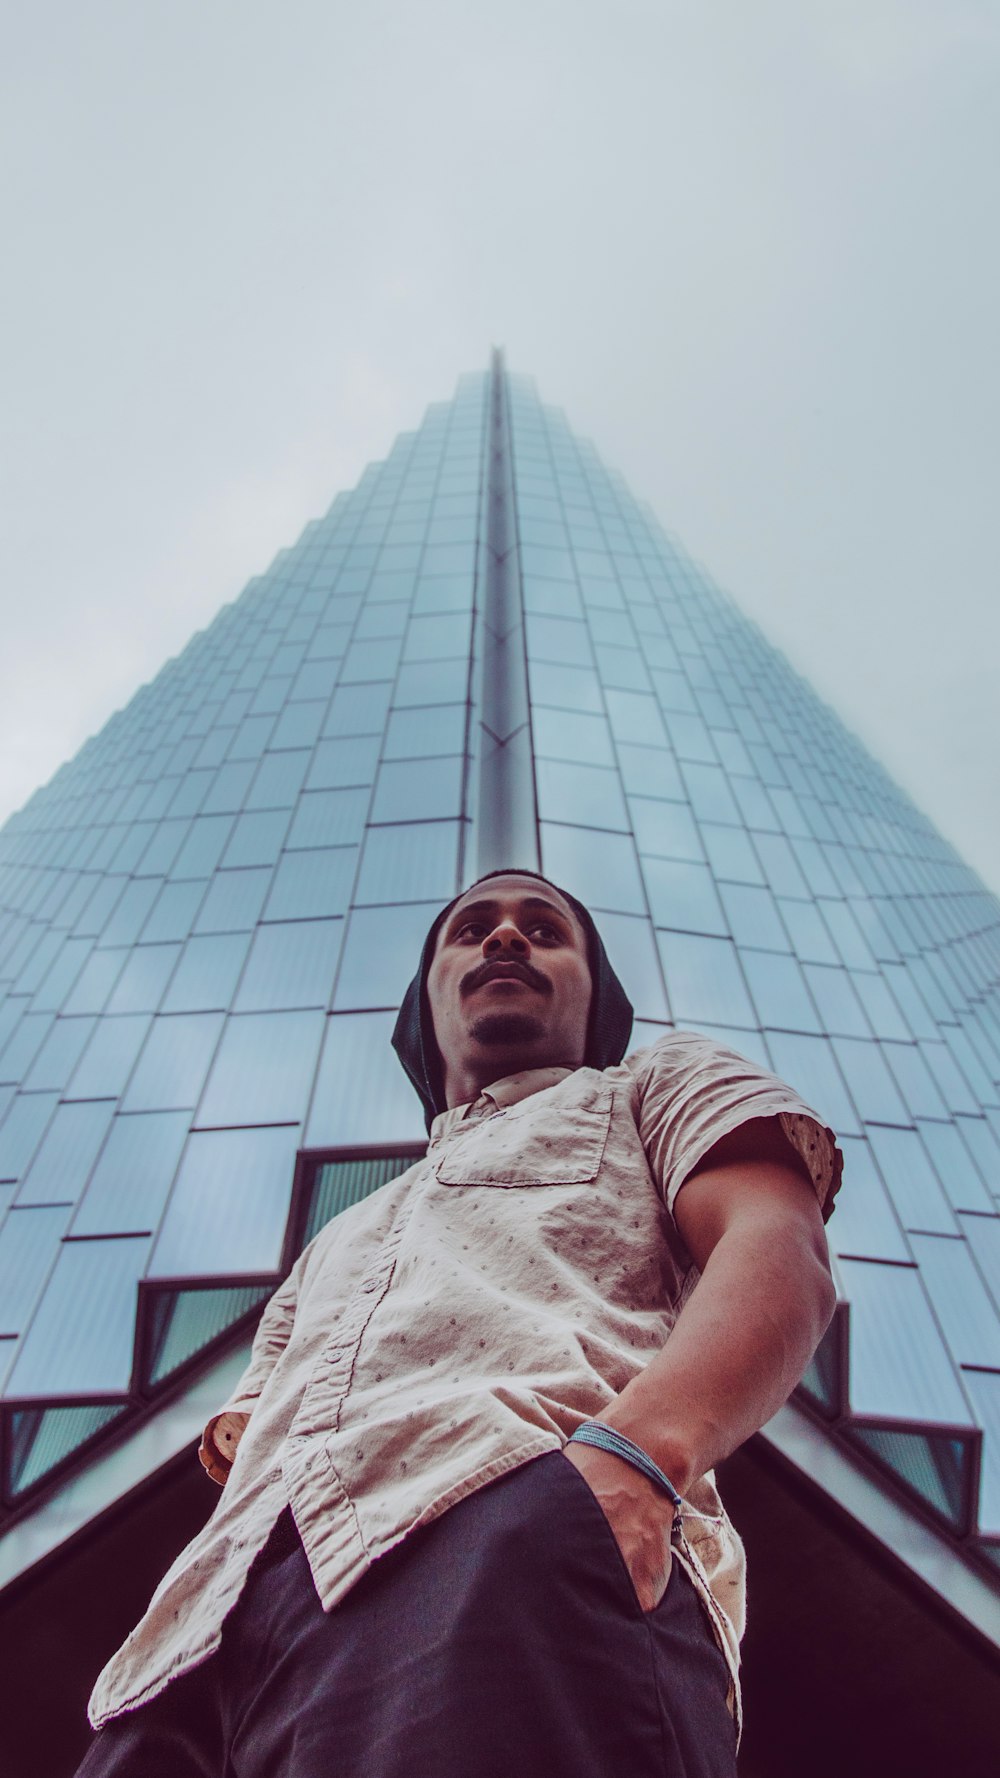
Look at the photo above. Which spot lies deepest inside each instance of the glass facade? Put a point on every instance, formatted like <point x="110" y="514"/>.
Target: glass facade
<point x="487" y="652"/>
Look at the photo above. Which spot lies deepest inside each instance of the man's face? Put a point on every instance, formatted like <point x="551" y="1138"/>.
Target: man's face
<point x="509" y="986"/>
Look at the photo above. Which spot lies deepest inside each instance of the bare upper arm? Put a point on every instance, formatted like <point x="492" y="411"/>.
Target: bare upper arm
<point x="755" y="1175"/>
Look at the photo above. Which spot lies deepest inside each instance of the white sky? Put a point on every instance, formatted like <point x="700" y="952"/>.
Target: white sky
<point x="753" y="251"/>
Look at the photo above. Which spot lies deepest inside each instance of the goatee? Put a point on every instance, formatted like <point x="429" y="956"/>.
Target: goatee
<point x="498" y="1030"/>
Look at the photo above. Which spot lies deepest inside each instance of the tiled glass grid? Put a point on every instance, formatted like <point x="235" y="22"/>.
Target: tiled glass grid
<point x="175" y="904"/>
<point x="285" y="803"/>
<point x="802" y="908"/>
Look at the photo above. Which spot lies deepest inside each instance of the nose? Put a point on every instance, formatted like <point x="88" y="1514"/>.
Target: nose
<point x="506" y="937"/>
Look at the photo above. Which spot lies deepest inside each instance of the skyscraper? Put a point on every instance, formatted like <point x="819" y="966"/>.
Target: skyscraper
<point x="487" y="653"/>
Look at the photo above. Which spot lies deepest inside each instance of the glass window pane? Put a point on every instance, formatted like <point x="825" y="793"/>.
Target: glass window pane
<point x="279" y="779"/>
<point x="29" y="1243"/>
<point x="839" y="1007"/>
<point x="174" y="1062"/>
<point x="381" y="953"/>
<point x="682" y="896"/>
<point x="68" y="1150"/>
<point x="872" y="1086"/>
<point x="360" y="1086"/>
<point x="143" y="982"/>
<point x="129" y="1185"/>
<point x="631" y="948"/>
<point x="312" y="885"/>
<point x="649" y="771"/>
<point x="600" y="869"/>
<point x="338" y="764"/>
<point x="418" y="790"/>
<point x="847" y="935"/>
<point x="635" y="718"/>
<point x="558" y="639"/>
<point x="365" y="661"/>
<point x="435" y="638"/>
<point x="955" y="1166"/>
<point x="328" y="818"/>
<point x="206" y="976"/>
<point x="299" y="725"/>
<point x="780" y="866"/>
<point x="358" y="710"/>
<point x="409" y="862"/>
<point x="228" y="1209"/>
<point x="730" y="853"/>
<point x="59" y="1054"/>
<point x="588" y="795"/>
<point x="810" y="938"/>
<point x="291" y="966"/>
<point x="234" y="901"/>
<point x="420" y="732"/>
<point x="256" y="838"/>
<point x="753" y="916"/>
<point x="81" y="1336"/>
<point x="109" y="1057"/>
<point x="703" y="980"/>
<point x="665" y="830"/>
<point x="431" y="682"/>
<point x="964" y="1307"/>
<point x="228" y="793"/>
<point x="174" y="912"/>
<point x="566" y="688"/>
<point x="22" y="1130"/>
<point x="566" y="734"/>
<point x="95" y="981"/>
<point x="201" y="851"/>
<point x="263" y="1070"/>
<point x="131" y="911"/>
<point x="779" y="992"/>
<point x="899" y="1366"/>
<point x="911" y="1179"/>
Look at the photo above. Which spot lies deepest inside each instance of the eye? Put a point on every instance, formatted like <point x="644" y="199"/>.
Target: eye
<point x="546" y="931"/>
<point x="470" y="929"/>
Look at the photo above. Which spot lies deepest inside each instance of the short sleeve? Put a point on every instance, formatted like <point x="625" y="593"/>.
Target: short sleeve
<point x="693" y="1091"/>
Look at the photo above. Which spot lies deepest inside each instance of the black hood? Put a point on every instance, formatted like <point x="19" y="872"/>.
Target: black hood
<point x="608" y="1025"/>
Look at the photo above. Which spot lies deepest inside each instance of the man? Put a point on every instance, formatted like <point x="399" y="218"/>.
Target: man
<point x="468" y="1524"/>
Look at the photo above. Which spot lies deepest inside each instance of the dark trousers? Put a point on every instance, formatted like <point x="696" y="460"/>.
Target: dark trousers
<point x="505" y="1638"/>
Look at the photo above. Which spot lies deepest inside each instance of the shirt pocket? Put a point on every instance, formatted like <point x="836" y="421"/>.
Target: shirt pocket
<point x="552" y="1138"/>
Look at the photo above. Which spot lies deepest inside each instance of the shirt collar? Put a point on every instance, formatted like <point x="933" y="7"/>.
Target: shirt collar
<point x="508" y="1091"/>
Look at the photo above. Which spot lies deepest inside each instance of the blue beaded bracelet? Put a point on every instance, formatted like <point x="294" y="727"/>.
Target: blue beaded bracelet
<point x="606" y="1438"/>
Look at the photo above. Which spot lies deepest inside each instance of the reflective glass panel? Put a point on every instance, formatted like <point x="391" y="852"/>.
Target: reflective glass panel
<point x="174" y="912"/>
<point x="279" y="779"/>
<point x="381" y="952"/>
<point x="565" y="688"/>
<point x="328" y="818"/>
<point x="415" y="861"/>
<point x="59" y="1054"/>
<point x="311" y="885"/>
<point x="229" y="1206"/>
<point x="29" y="1242"/>
<point x="418" y="790"/>
<point x="68" y="1150"/>
<point x="431" y="682"/>
<point x="964" y="1307"/>
<point x="683" y="896"/>
<point x="839" y="1007"/>
<point x="339" y="764"/>
<point x="567" y="734"/>
<point x="665" y="830"/>
<point x="291" y="965"/>
<point x="955" y="1167"/>
<point x="586" y="795"/>
<point x="864" y="1221"/>
<point x="633" y="956"/>
<point x="779" y="992"/>
<point x="109" y="1057"/>
<point x="914" y="1080"/>
<point x="129" y="1185"/>
<point x="80" y="1338"/>
<point x="234" y="901"/>
<point x="360" y="1086"/>
<point x="263" y="1071"/>
<point x="206" y="976"/>
<point x="203" y="847"/>
<point x="358" y="710"/>
<point x="418" y="733"/>
<point x="704" y="981"/>
<point x="872" y="1086"/>
<point x="600" y="869"/>
<point x="649" y="771"/>
<point x="143" y="981"/>
<point x="256" y="838"/>
<point x="22" y="1130"/>
<point x="171" y="1070"/>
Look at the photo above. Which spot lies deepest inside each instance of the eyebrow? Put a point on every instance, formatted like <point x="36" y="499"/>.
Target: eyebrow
<point x="490" y="907"/>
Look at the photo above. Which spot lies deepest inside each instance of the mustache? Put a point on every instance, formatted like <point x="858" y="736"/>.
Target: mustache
<point x="513" y="966"/>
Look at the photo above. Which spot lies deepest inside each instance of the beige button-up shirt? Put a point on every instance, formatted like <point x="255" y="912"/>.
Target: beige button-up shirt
<point x="461" y="1320"/>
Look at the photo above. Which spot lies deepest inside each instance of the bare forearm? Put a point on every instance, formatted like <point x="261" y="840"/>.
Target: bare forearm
<point x="737" y="1350"/>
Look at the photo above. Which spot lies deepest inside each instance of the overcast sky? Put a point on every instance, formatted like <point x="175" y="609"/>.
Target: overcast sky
<point x="752" y="251"/>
